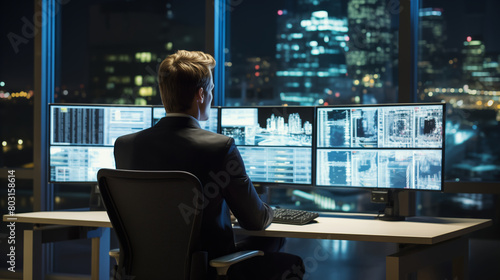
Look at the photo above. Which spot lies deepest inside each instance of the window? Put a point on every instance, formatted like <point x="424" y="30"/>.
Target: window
<point x="110" y="50"/>
<point x="109" y="53"/>
<point x="16" y="86"/>
<point x="458" y="62"/>
<point x="16" y="114"/>
<point x="311" y="52"/>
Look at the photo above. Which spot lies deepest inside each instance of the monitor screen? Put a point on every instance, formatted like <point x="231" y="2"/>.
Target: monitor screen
<point x="275" y="142"/>
<point x="383" y="146"/>
<point x="82" y="137"/>
<point x="211" y="124"/>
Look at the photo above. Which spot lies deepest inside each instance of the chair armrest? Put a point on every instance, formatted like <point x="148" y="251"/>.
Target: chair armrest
<point x="223" y="263"/>
<point x="115" y="253"/>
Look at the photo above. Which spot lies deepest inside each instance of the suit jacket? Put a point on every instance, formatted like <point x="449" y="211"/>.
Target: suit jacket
<point x="178" y="143"/>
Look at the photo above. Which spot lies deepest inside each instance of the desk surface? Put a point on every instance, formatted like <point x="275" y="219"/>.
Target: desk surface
<point x="67" y="218"/>
<point x="415" y="230"/>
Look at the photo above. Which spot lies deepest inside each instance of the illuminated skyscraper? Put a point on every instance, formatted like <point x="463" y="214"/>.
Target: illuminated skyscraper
<point x="432" y="59"/>
<point x="473" y="58"/>
<point x="481" y="70"/>
<point x="372" y="48"/>
<point x="311" y="42"/>
<point x="250" y="82"/>
<point x="124" y="57"/>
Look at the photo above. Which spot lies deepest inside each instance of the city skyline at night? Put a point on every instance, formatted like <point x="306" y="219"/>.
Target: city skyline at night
<point x="298" y="52"/>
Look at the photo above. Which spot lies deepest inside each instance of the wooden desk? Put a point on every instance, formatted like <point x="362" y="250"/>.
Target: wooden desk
<point x="415" y="230"/>
<point x="425" y="240"/>
<point x="56" y="226"/>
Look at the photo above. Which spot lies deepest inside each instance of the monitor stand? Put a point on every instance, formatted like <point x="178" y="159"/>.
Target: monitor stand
<point x="391" y="199"/>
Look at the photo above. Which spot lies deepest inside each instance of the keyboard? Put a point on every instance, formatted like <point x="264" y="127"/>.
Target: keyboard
<point x="293" y="216"/>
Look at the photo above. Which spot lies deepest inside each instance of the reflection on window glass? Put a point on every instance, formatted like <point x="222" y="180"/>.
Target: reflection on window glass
<point x="459" y="55"/>
<point x="111" y="48"/>
<point x="311" y="52"/>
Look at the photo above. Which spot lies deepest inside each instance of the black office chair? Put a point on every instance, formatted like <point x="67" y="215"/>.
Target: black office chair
<point x="156" y="240"/>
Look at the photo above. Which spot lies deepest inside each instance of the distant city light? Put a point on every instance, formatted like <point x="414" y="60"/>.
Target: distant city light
<point x="2" y="83"/>
<point x="469" y="38"/>
<point x="4" y="143"/>
<point x="280" y="12"/>
<point x="337" y="94"/>
<point x="257" y="74"/>
<point x="20" y="141"/>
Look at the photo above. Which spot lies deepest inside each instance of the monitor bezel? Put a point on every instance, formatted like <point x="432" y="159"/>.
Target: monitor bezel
<point x="50" y="145"/>
<point x="312" y="147"/>
<point x="443" y="148"/>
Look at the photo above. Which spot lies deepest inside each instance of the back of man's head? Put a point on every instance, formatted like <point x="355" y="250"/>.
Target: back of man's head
<point x="180" y="77"/>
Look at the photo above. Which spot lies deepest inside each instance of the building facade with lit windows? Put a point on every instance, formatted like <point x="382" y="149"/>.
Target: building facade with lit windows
<point x="310" y="55"/>
<point x="432" y="52"/>
<point x="372" y="49"/>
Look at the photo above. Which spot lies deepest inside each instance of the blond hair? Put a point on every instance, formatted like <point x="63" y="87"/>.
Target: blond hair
<point x="180" y="77"/>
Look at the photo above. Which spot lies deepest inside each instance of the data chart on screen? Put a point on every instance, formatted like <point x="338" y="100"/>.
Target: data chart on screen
<point x="95" y="125"/>
<point x="381" y="127"/>
<point x="275" y="142"/>
<point x="382" y="146"/>
<point x="82" y="137"/>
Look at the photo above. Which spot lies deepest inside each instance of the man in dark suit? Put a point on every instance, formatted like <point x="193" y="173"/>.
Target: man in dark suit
<point x="177" y="142"/>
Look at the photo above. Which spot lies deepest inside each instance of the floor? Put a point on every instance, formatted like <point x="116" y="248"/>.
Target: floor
<point x="331" y="259"/>
<point x="341" y="259"/>
<point x="354" y="260"/>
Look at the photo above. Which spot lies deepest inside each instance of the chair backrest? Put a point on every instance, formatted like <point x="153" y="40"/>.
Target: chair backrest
<point x="157" y="219"/>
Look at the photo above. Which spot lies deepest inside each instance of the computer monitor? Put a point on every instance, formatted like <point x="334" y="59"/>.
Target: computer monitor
<point x="82" y="138"/>
<point x="211" y="124"/>
<point x="275" y="142"/>
<point x="390" y="147"/>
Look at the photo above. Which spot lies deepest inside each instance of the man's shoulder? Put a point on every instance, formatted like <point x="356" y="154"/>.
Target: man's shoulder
<point x="129" y="139"/>
<point x="211" y="137"/>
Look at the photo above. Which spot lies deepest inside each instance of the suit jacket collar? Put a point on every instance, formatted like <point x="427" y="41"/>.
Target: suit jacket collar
<point x="178" y="121"/>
